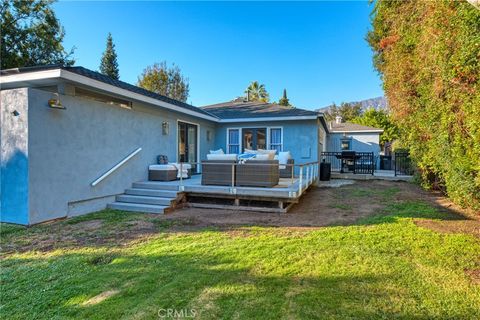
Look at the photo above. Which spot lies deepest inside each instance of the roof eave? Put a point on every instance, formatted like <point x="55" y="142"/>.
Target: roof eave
<point x="59" y="73"/>
<point x="260" y="119"/>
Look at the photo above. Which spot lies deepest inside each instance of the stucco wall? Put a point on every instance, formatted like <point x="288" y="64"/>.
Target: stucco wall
<point x="299" y="137"/>
<point x="69" y="149"/>
<point x="14" y="156"/>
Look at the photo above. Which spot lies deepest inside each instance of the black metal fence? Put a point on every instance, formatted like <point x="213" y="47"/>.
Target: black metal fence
<point x="403" y="164"/>
<point x="364" y="162"/>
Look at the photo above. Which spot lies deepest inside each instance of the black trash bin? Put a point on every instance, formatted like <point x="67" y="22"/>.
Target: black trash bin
<point x="325" y="171"/>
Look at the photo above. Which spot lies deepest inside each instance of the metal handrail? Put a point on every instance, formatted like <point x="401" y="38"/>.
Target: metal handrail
<point x="118" y="165"/>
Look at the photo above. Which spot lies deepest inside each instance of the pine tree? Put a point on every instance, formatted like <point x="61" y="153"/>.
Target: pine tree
<point x="109" y="64"/>
<point x="284" y="100"/>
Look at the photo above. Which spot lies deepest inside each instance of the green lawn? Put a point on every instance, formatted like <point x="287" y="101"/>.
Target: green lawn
<point x="382" y="267"/>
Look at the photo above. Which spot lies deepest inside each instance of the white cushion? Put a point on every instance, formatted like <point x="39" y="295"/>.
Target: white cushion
<point x="249" y="151"/>
<point x="262" y="151"/>
<point x="162" y="167"/>
<point x="219" y="151"/>
<point x="263" y="157"/>
<point x="283" y="157"/>
<point x="185" y="166"/>
<point x="227" y="156"/>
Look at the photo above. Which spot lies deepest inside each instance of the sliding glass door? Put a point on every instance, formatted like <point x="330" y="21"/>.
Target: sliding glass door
<point x="187" y="143"/>
<point x="254" y="138"/>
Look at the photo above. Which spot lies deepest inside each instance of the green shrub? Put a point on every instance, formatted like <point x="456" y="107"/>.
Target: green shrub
<point x="428" y="54"/>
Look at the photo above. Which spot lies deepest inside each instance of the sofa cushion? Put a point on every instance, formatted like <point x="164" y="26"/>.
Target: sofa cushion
<point x="219" y="151"/>
<point x="249" y="151"/>
<point x="260" y="157"/>
<point x="162" y="167"/>
<point x="283" y="157"/>
<point x="263" y="151"/>
<point x="227" y="156"/>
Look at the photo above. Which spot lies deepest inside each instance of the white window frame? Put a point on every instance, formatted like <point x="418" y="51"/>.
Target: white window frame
<point x="240" y="137"/>
<point x="227" y="147"/>
<point x="269" y="144"/>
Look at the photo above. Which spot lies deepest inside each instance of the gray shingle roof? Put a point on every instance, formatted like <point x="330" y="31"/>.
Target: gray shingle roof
<point x="240" y="109"/>
<point x="350" y="127"/>
<point x="106" y="79"/>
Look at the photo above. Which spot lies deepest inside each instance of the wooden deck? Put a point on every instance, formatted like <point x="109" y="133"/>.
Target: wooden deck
<point x="286" y="189"/>
<point x="277" y="199"/>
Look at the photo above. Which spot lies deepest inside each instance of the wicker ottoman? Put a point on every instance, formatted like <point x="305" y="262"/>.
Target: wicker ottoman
<point x="162" y="172"/>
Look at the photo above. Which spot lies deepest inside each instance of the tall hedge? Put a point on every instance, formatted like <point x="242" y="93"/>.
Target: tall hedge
<point x="428" y="55"/>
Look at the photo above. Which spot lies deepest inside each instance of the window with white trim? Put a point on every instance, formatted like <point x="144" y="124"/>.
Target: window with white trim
<point x="276" y="142"/>
<point x="233" y="144"/>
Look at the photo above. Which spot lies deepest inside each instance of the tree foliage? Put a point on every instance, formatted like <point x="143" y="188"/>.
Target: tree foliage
<point x="109" y="63"/>
<point x="347" y="111"/>
<point x="284" y="101"/>
<point x="165" y="80"/>
<point x="379" y="119"/>
<point x="257" y="92"/>
<point x="428" y="54"/>
<point x="31" y="35"/>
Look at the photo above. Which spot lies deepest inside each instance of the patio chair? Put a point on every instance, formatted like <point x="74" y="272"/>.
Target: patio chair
<point x="218" y="172"/>
<point x="258" y="173"/>
<point x="286" y="170"/>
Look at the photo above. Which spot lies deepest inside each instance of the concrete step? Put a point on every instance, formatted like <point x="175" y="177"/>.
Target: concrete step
<point x="154" y="185"/>
<point x="151" y="193"/>
<point x="136" y="207"/>
<point x="144" y="200"/>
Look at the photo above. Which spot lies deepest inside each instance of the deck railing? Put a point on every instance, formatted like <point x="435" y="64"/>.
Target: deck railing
<point x="364" y="164"/>
<point x="306" y="173"/>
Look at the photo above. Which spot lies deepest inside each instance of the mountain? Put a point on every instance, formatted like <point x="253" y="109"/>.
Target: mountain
<point x="377" y="103"/>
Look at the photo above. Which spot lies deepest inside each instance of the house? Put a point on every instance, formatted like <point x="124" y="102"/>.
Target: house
<point x="345" y="136"/>
<point x="260" y="125"/>
<point x="73" y="139"/>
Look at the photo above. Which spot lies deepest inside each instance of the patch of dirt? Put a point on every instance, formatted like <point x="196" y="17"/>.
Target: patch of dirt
<point x="474" y="275"/>
<point x="318" y="207"/>
<point x="447" y="226"/>
<point x="100" y="297"/>
<point x="90" y="225"/>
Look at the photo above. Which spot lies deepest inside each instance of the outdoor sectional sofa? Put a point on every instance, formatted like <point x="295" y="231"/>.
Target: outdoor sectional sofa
<point x="258" y="173"/>
<point x="252" y="173"/>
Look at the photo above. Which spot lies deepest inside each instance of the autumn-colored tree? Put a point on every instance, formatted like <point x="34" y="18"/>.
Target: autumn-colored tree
<point x="165" y="80"/>
<point x="428" y="55"/>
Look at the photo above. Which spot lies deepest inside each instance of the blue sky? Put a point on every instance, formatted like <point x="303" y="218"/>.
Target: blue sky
<point x="316" y="50"/>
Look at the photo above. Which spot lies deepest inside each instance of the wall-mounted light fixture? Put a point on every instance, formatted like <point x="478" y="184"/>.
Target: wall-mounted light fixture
<point x="15" y="113"/>
<point x="165" y="128"/>
<point x="55" y="103"/>
<point x="209" y="135"/>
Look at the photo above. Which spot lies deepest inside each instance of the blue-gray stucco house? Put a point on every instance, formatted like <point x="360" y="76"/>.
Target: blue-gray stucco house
<point x="63" y="127"/>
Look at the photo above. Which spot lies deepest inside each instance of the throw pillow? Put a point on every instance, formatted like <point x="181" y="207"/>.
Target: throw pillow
<point x="219" y="151"/>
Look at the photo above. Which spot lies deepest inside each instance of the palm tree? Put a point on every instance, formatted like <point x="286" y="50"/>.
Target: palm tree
<point x="257" y="92"/>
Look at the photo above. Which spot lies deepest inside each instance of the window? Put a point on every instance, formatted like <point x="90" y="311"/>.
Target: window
<point x="233" y="143"/>
<point x="276" y="139"/>
<point x="346" y="144"/>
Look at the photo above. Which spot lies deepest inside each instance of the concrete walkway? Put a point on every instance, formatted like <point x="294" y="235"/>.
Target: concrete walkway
<point x="377" y="175"/>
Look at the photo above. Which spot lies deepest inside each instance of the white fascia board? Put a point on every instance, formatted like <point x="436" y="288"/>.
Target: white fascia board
<point x="129" y="94"/>
<point x="30" y="76"/>
<point x="267" y="119"/>
<point x="357" y="131"/>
